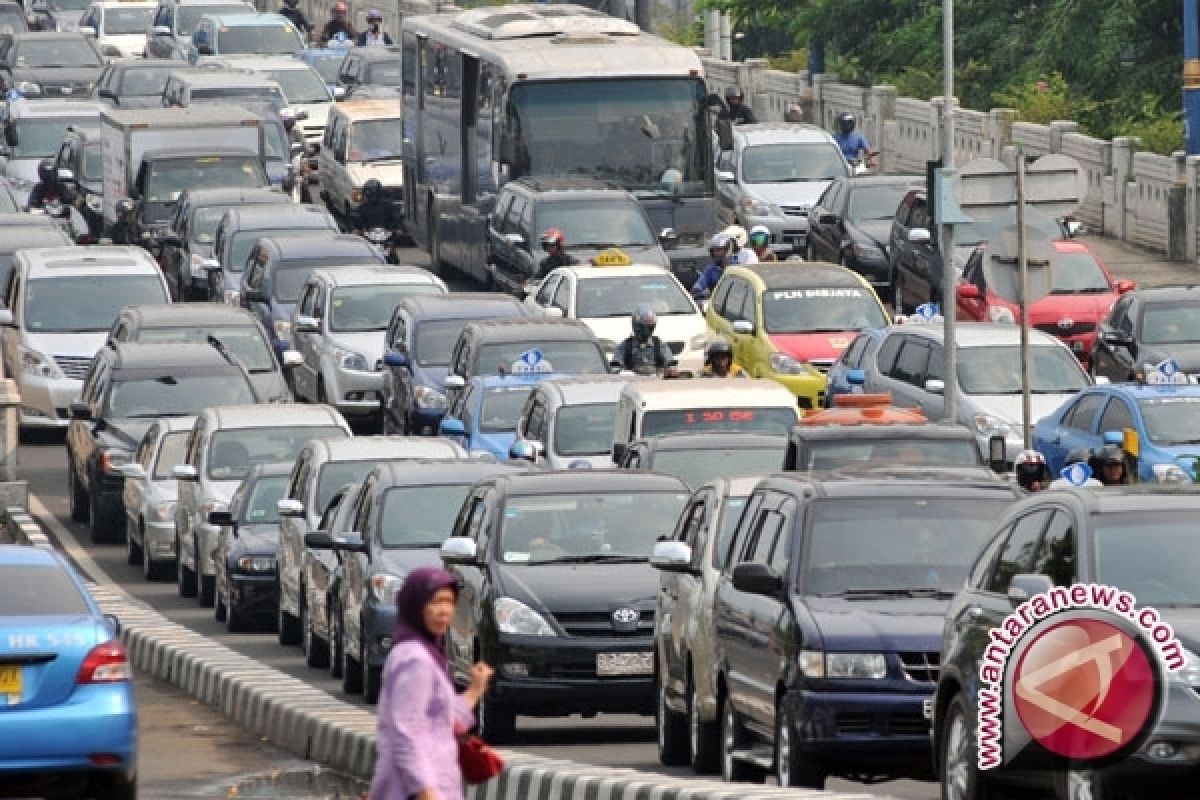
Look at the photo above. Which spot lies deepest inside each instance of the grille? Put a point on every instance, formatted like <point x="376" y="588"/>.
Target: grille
<point x="576" y="672"/>
<point x="795" y="211"/>
<point x="64" y="90"/>
<point x="907" y="725"/>
<point x="862" y="723"/>
<point x="1074" y="330"/>
<point x="592" y="623"/>
<point x="73" y="366"/>
<point x="921" y="667"/>
<point x="676" y="347"/>
<point x="822" y="365"/>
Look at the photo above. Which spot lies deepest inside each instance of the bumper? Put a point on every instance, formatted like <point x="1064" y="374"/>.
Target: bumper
<point x="867" y="731"/>
<point x="46" y="403"/>
<point x="809" y="389"/>
<point x="789" y="231"/>
<point x="253" y="594"/>
<point x="95" y="719"/>
<point x="159" y="541"/>
<point x="354" y="392"/>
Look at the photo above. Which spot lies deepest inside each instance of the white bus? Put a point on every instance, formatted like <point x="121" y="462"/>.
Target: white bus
<point x="503" y="92"/>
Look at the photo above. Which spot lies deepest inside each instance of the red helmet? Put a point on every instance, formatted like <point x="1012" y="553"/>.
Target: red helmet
<point x="339" y="7"/>
<point x="553" y="236"/>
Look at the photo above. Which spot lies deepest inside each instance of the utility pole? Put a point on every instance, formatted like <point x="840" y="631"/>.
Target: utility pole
<point x="946" y="245"/>
<point x="1191" y="77"/>
<point x="1023" y="292"/>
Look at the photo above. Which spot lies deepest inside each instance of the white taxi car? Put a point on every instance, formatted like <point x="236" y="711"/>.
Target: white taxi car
<point x="119" y="26"/>
<point x="604" y="296"/>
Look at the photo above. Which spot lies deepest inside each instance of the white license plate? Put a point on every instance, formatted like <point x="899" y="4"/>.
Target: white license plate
<point x="612" y="664"/>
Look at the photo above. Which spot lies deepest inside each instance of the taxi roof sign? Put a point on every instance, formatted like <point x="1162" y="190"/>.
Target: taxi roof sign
<point x="1077" y="474"/>
<point x="612" y="257"/>
<point x="924" y="314"/>
<point x="1167" y="372"/>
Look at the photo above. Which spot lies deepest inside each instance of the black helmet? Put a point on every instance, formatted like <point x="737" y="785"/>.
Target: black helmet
<point x="46" y="170"/>
<point x="845" y="122"/>
<point x="719" y="346"/>
<point x="372" y="189"/>
<point x="290" y="3"/>
<point x="1079" y="455"/>
<point x="1111" y="454"/>
<point x="733" y="92"/>
<point x="644" y="322"/>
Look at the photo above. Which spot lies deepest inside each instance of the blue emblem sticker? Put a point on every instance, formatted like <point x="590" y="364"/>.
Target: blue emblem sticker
<point x="531" y="362"/>
<point x="926" y="312"/>
<point x="1077" y="474"/>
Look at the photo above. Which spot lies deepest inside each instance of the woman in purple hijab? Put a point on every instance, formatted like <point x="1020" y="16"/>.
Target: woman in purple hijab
<point x="418" y="707"/>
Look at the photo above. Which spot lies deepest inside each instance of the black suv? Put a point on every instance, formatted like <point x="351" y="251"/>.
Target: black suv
<point x="592" y="215"/>
<point x="371" y="72"/>
<point x="558" y="591"/>
<point x="137" y="82"/>
<point x="828" y="616"/>
<point x="125" y="389"/>
<point x="1146" y="326"/>
<point x="836" y="447"/>
<point x="78" y="164"/>
<point x="1141" y="540"/>
<point x="697" y="458"/>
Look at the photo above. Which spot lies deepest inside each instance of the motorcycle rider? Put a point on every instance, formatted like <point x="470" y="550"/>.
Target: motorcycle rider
<point x="1112" y="470"/>
<point x="1031" y="470"/>
<point x="291" y="11"/>
<point x="643" y="352"/>
<point x="554" y="243"/>
<point x="737" y="112"/>
<point x="854" y="145"/>
<point x="374" y="35"/>
<point x="337" y="24"/>
<point x="718" y="360"/>
<point x="47" y="189"/>
<point x="1077" y="456"/>
<point x="374" y="211"/>
<point x="718" y="251"/>
<point x="760" y="243"/>
<point x="126" y="229"/>
<point x="739" y="253"/>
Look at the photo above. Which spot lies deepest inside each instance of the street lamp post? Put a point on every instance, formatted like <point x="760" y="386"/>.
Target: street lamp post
<point x="949" y="274"/>
<point x="1191" y="77"/>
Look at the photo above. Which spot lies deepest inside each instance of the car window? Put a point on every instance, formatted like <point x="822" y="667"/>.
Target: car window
<point x="1117" y="416"/>
<point x="852" y="358"/>
<point x="39" y="590"/>
<point x="171" y="453"/>
<point x="983" y="564"/>
<point x="886" y="357"/>
<point x="1056" y="556"/>
<point x="781" y="548"/>
<point x="1080" y="418"/>
<point x="720" y="295"/>
<point x="1017" y="556"/>
<point x="562" y="298"/>
<point x="911" y="363"/>
<point x="735" y="300"/>
<point x="546" y="290"/>
<point x="742" y="531"/>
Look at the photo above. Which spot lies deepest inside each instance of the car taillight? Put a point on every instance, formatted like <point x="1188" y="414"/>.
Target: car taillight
<point x="105" y="663"/>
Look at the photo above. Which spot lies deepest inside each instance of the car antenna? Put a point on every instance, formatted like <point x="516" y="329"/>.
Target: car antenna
<point x="220" y="347"/>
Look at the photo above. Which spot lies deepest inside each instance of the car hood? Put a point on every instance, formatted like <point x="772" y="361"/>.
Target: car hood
<point x="803" y="193"/>
<point x="1186" y="353"/>
<point x="497" y="443"/>
<point x="806" y="346"/>
<point x="389" y="172"/>
<point x="256" y="540"/>
<point x="402" y="560"/>
<point x="79" y="345"/>
<point x="1052" y="308"/>
<point x="670" y="327"/>
<point x="1008" y="406"/>
<point x="887" y="625"/>
<point x="126" y="433"/>
<point x="576" y="588"/>
<point x="875" y="231"/>
<point x="369" y="343"/>
<point x="58" y="76"/>
<point x="270" y="386"/>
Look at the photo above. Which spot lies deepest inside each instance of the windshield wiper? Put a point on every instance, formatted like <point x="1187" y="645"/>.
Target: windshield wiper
<point x="594" y="558"/>
<point x="891" y="592"/>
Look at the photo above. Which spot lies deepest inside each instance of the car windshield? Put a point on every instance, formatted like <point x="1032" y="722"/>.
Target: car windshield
<point x="39" y="138"/>
<point x="12" y="21"/>
<point x="584" y="430"/>
<point x="695" y="467"/>
<point x="168" y="178"/>
<point x="1078" y="273"/>
<point x="263" y="506"/>
<point x="793" y="162"/>
<point x="375" y="140"/>
<point x="289" y="277"/>
<point x="619" y="296"/>
<point x="1171" y="420"/>
<point x="37" y="590"/>
<point x="996" y="369"/>
<point x="69" y="5"/>
<point x="187" y="16"/>
<point x="895" y="543"/>
<point x="1163" y="324"/>
<point x="850" y="453"/>
<point x="242" y="242"/>
<point x="144" y="81"/>
<point x="336" y="474"/>
<point x="434" y="341"/>
<point x="502" y="407"/>
<point x="300" y="85"/>
<point x="876" y="202"/>
<point x="176" y="395"/>
<point x="172" y="451"/>
<point x="54" y="52"/>
<point x="385" y="73"/>
<point x="592" y="526"/>
<point x="247" y="342"/>
<point x="564" y="357"/>
<point x="743" y="419"/>
<point x="328" y="67"/>
<point x="1152" y="555"/>
<point x="81" y="303"/>
<point x="620" y="223"/>
<point x="275" y="37"/>
<point x="369" y="308"/>
<point x="832" y="309"/>
<point x="232" y="452"/>
<point x="267" y="97"/>
<point x="420" y="516"/>
<point x="119" y="20"/>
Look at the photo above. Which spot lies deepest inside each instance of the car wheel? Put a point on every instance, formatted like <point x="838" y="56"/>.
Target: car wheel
<point x="1077" y="784"/>
<point x="733" y="738"/>
<point x="79" y="497"/>
<point x="185" y="577"/>
<point x="316" y="651"/>
<point x="497" y="721"/>
<point x="793" y="767"/>
<point x="960" y="776"/>
<point x="335" y="645"/>
<point x="704" y="737"/>
<point x="351" y="673"/>
<point x="372" y="677"/>
<point x="670" y="726"/>
<point x="133" y="551"/>
<point x="219" y="607"/>
<point x="113" y="786"/>
<point x="286" y="625"/>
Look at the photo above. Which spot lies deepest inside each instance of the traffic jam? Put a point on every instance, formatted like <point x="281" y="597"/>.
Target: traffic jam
<point x="661" y="385"/>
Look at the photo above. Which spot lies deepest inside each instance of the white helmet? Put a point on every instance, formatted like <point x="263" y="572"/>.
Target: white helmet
<point x="738" y="234"/>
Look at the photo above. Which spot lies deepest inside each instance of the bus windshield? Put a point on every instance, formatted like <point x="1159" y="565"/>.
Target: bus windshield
<point x="649" y="135"/>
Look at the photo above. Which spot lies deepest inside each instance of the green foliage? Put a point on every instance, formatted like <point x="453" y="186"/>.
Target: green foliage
<point x="684" y="29"/>
<point x="1045" y="100"/>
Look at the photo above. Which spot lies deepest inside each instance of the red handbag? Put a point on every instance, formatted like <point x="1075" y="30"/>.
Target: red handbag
<point x="477" y="760"/>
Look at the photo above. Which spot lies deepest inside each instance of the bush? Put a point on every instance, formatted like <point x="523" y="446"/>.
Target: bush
<point x="1045" y="100"/>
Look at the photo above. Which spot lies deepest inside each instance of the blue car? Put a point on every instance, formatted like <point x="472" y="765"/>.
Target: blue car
<point x="846" y="375"/>
<point x="1165" y="416"/>
<point x="67" y="713"/>
<point x="483" y="416"/>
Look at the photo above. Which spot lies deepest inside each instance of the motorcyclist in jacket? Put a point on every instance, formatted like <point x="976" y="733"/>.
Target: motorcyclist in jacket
<point x="718" y="251"/>
<point x="737" y="112"/>
<point x="337" y="24"/>
<point x="1031" y="471"/>
<point x="374" y="211"/>
<point x="375" y="35"/>
<point x="1110" y="466"/>
<point x="760" y="243"/>
<point x="47" y="189"/>
<point x="554" y="244"/>
<point x="853" y="144"/>
<point x="126" y="229"/>
<point x="718" y="360"/>
<point x="292" y="13"/>
<point x="643" y="352"/>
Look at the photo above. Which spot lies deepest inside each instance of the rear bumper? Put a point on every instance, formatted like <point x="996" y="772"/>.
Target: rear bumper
<point x="95" y="720"/>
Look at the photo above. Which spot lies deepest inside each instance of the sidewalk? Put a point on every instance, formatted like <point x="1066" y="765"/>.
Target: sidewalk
<point x="1143" y="266"/>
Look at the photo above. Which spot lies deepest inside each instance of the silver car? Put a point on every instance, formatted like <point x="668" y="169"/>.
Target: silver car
<point x="570" y="420"/>
<point x="150" y="494"/>
<point x="224" y="444"/>
<point x="690" y="562"/>
<point x="321" y="573"/>
<point x="338" y="328"/>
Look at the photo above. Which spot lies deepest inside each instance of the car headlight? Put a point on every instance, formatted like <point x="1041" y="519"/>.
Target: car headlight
<point x="754" y="206"/>
<point x="853" y="666"/>
<point x="283" y="329"/>
<point x="429" y="398"/>
<point x="256" y="565"/>
<point x="1190" y="674"/>
<point x="1001" y="315"/>
<point x="95" y="203"/>
<point x="867" y="251"/>
<point x="39" y="364"/>
<point x="783" y="364"/>
<point x="384" y="587"/>
<point x="348" y="359"/>
<point x="162" y="512"/>
<point x="29" y="88"/>
<point x="233" y="297"/>
<point x="513" y="616"/>
<point x="1170" y="473"/>
<point x="991" y="425"/>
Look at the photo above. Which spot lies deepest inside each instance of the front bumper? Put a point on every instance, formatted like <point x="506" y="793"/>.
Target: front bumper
<point x="159" y="540"/>
<point x="253" y="594"/>
<point x="354" y="392"/>
<point x="809" y="389"/>
<point x="864" y="731"/>
<point x="95" y="719"/>
<point x="46" y="402"/>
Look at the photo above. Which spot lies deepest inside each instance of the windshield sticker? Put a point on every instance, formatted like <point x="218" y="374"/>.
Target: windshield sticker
<point x="515" y="558"/>
<point x="531" y="361"/>
<point x="803" y="294"/>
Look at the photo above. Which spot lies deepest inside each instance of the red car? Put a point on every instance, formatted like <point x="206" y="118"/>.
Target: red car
<point x="1082" y="295"/>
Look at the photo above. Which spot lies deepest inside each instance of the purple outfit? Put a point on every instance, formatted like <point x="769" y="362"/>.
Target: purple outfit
<point x="418" y="706"/>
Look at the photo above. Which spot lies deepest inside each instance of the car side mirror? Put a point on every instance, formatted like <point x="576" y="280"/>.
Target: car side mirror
<point x="162" y="30"/>
<point x="1074" y="227"/>
<point x="306" y="324"/>
<point x="856" y="377"/>
<point x="1125" y="285"/>
<point x="967" y="291"/>
<point x="1025" y="586"/>
<point x="290" y="507"/>
<point x="318" y="540"/>
<point x="66" y="175"/>
<point x="394" y="358"/>
<point x="828" y="219"/>
<point x="743" y="326"/>
<point x="515" y="239"/>
<point x="454" y="382"/>
<point x="184" y="472"/>
<point x="619" y="449"/>
<point x="725" y="176"/>
<point x="935" y="386"/>
<point x="291" y="359"/>
<point x="997" y="453"/>
<point x="452" y="426"/>
<point x="80" y="411"/>
<point x="919" y="236"/>
<point x="668" y="237"/>
<point x="459" y="550"/>
<point x="222" y="519"/>
<point x="672" y="557"/>
<point x="757" y="579"/>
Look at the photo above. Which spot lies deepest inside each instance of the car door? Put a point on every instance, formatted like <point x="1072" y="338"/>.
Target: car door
<point x="1116" y="349"/>
<point x="307" y="343"/>
<point x="925" y="265"/>
<point x="463" y="632"/>
<point x="727" y="188"/>
<point x="186" y="491"/>
<point x="396" y="380"/>
<point x="824" y="224"/>
<point x="81" y="432"/>
<point x="496" y="244"/>
<point x="291" y="536"/>
<point x="508" y="246"/>
<point x="526" y="255"/>
<point x="1076" y="428"/>
<point x="677" y="596"/>
<point x="729" y="312"/>
<point x="357" y="567"/>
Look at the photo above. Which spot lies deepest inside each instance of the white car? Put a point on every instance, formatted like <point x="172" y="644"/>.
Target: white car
<point x="303" y="87"/>
<point x="120" y="27"/>
<point x="604" y="298"/>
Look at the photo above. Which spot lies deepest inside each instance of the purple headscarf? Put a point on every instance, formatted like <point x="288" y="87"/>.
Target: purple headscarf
<point x="419" y="588"/>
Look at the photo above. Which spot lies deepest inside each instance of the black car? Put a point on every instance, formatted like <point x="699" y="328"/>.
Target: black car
<point x="43" y="64"/>
<point x="236" y="329"/>
<point x="416" y="355"/>
<point x="911" y="445"/>
<point x="136" y="82"/>
<point x="400" y="517"/>
<point x="371" y="72"/>
<point x="166" y="174"/>
<point x="497" y="346"/>
<point x="828" y="616"/>
<point x="187" y="245"/>
<point x="125" y="389"/>
<point x="245" y="557"/>
<point x="1138" y="539"/>
<point x="1146" y="326"/>
<point x="696" y="458"/>
<point x="849" y="224"/>
<point x="558" y="591"/>
<point x="79" y="165"/>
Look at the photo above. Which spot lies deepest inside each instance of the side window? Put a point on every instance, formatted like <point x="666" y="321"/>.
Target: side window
<point x="769" y="525"/>
<point x="745" y="526"/>
<point x="937" y="364"/>
<point x="362" y="517"/>
<point x="781" y="551"/>
<point x="720" y="296"/>
<point x="399" y="338"/>
<point x="299" y="476"/>
<point x="475" y="520"/>
<point x="1117" y="416"/>
<point x="691" y="523"/>
<point x="886" y="358"/>
<point x="525" y="225"/>
<point x="308" y="303"/>
<point x="854" y="352"/>
<point x="1019" y="551"/>
<point x="465" y="406"/>
<point x="1080" y="418"/>
<point x="911" y="363"/>
<point x="1122" y="320"/>
<point x="735" y="300"/>
<point x="320" y="295"/>
<point x="546" y="291"/>
<point x="750" y="306"/>
<point x="983" y="564"/>
<point x="562" y="299"/>
<point x="1056" y="556"/>
<point x="512" y="221"/>
<point x="502" y="206"/>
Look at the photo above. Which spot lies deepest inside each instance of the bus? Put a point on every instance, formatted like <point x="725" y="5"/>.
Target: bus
<point x="503" y="92"/>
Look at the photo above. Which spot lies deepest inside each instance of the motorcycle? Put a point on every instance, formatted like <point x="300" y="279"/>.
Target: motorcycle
<point x="865" y="165"/>
<point x="384" y="241"/>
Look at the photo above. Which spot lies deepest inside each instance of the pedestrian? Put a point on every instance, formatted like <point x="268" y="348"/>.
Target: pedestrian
<point x="418" y="706"/>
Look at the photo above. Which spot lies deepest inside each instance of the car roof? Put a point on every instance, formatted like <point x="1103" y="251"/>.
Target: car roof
<point x="882" y="483"/>
<point x="585" y="389"/>
<point x="175" y="424"/>
<point x="778" y="132"/>
<point x="178" y="315"/>
<point x="25" y="556"/>
<point x="95" y="260"/>
<point x="235" y="19"/>
<point x="180" y="117"/>
<point x="517" y="329"/>
<point x="491" y="380"/>
<point x="367" y="108"/>
<point x="722" y="389"/>
<point x="856" y="181"/>
<point x="1168" y="294"/>
<point x="688" y="440"/>
<point x="199" y="198"/>
<point x="329" y="245"/>
<point x="274" y="415"/>
<point x="172" y="355"/>
<point x="431" y="472"/>
<point x="375" y="275"/>
<point x="368" y="448"/>
<point x="794" y="274"/>
<point x="1135" y="498"/>
<point x="37" y="235"/>
<point x="55" y="108"/>
<point x="740" y="486"/>
<point x="146" y="63"/>
<point x="570" y="481"/>
<point x="463" y="305"/>
<point x="980" y="334"/>
<point x="258" y="217"/>
<point x="1142" y="391"/>
<point x="258" y="62"/>
<point x="213" y="78"/>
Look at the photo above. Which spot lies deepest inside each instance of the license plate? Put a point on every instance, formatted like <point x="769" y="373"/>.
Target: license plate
<point x="10" y="681"/>
<point x="611" y="664"/>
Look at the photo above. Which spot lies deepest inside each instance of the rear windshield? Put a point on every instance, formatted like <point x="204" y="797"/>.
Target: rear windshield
<point x="167" y="179"/>
<point x="39" y="589"/>
<point x="563" y="357"/>
<point x="290" y="276"/>
<point x="234" y="451"/>
<point x="909" y="452"/>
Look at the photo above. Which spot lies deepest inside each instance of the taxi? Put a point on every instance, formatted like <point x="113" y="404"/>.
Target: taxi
<point x="119" y="26"/>
<point x="1157" y="419"/>
<point x="788" y="321"/>
<point x="604" y="294"/>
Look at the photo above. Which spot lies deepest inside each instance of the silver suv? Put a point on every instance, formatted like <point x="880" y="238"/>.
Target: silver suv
<point x="774" y="175"/>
